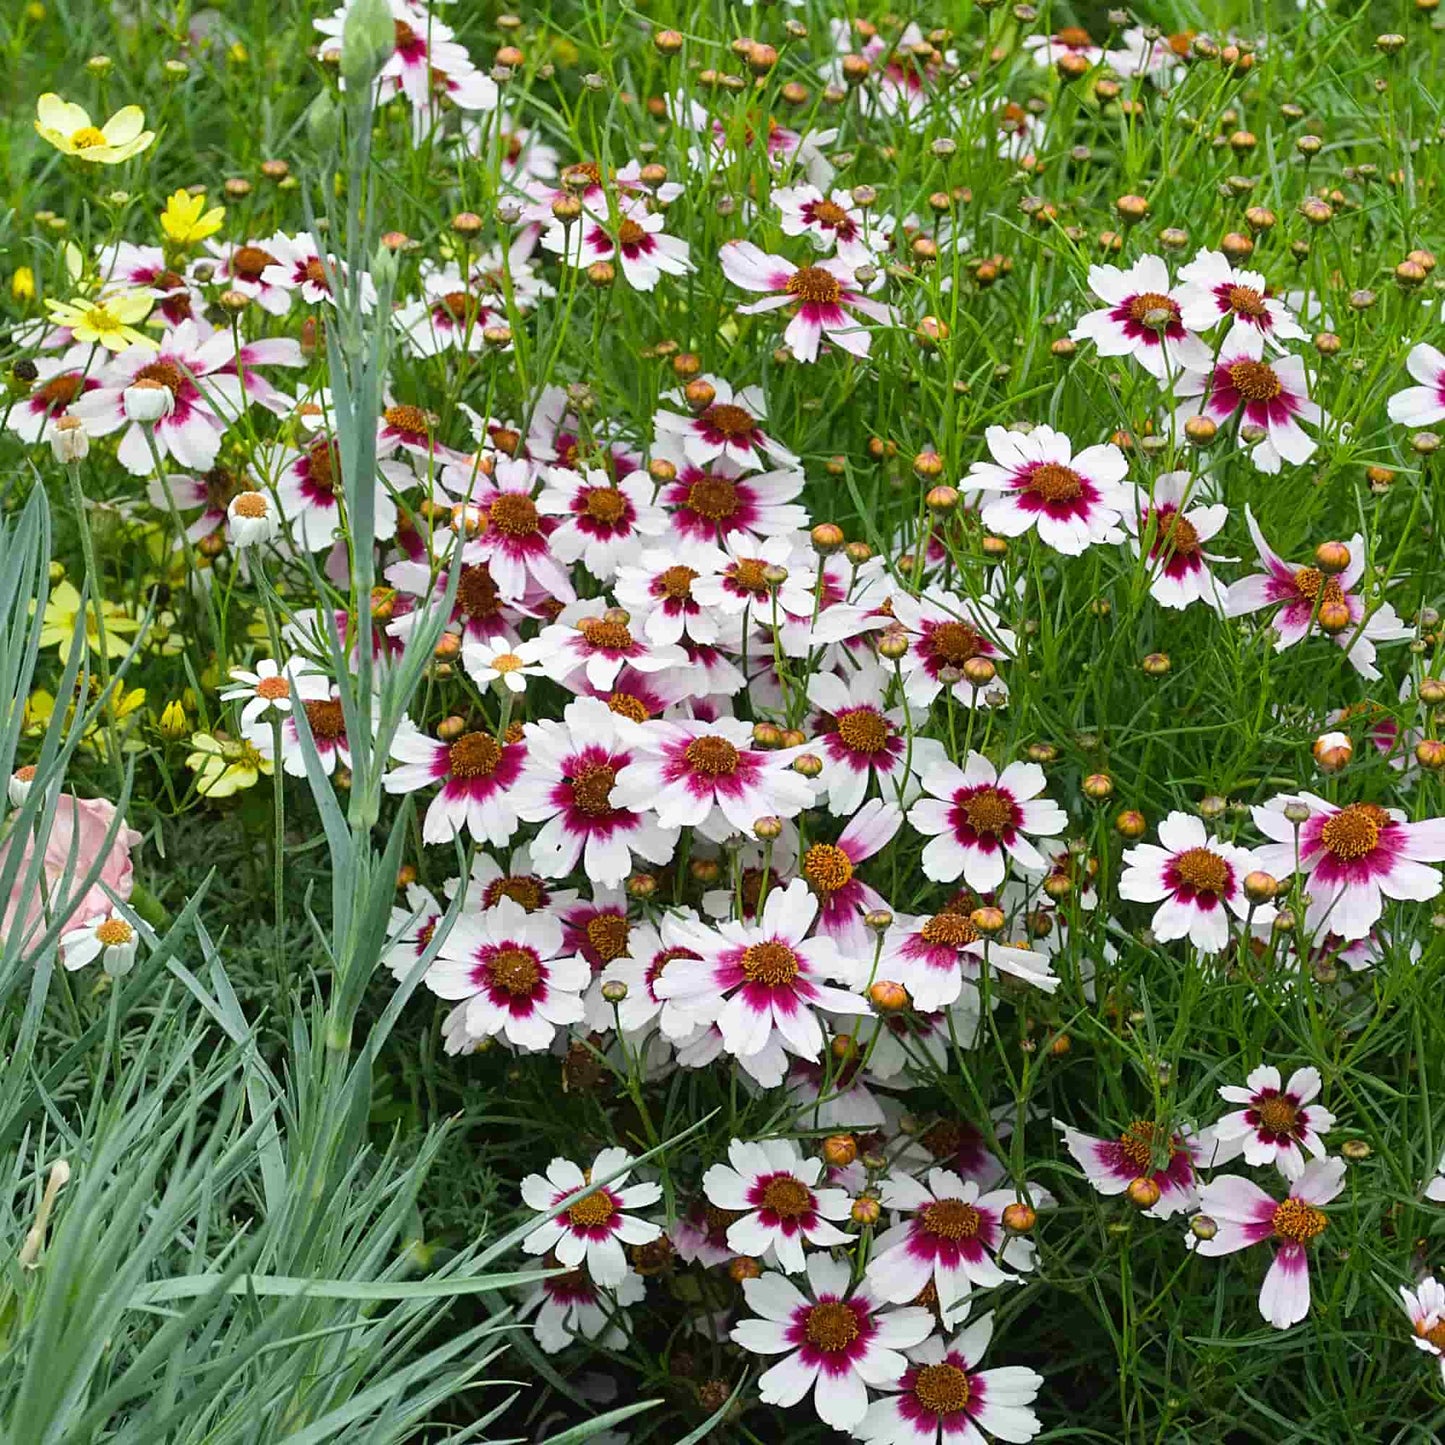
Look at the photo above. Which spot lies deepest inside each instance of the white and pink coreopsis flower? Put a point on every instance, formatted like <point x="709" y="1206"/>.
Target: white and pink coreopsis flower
<point x="1312" y="601"/>
<point x="59" y="381"/>
<point x="635" y="240"/>
<point x="594" y="1228"/>
<point x="936" y="958"/>
<point x="1212" y="290"/>
<point x="1143" y="1151"/>
<point x="1072" y="501"/>
<point x="776" y="1192"/>
<point x="1244" y="1215"/>
<point x="834" y="1338"/>
<point x="567" y="784"/>
<point x="708" y="776"/>
<point x="1141" y="317"/>
<point x="296" y="265"/>
<point x="1425" y="1305"/>
<point x="762" y="982"/>
<point x="509" y="969"/>
<point x="240" y="266"/>
<point x="948" y="631"/>
<point x="943" y="1398"/>
<point x="651" y="948"/>
<point x="1268" y="399"/>
<point x="311" y="491"/>
<point x="981" y="818"/>
<point x="599" y="522"/>
<point x="1354" y="857"/>
<point x="833" y="222"/>
<point x="952" y="1237"/>
<point x="1278" y="1123"/>
<point x="1178" y="564"/>
<point x="205" y="397"/>
<point x="571" y="1307"/>
<point x="730" y="426"/>
<point x="516" y="543"/>
<point x="723" y="505"/>
<point x="831" y="872"/>
<point x="587" y="647"/>
<point x="655" y="586"/>
<point x="1070" y="40"/>
<point x="1422" y="405"/>
<point x="478" y="775"/>
<point x="1197" y="881"/>
<point x="827" y="295"/>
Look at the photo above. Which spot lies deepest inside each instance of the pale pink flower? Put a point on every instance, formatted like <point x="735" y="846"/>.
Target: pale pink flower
<point x="1141" y="317"/>
<point x="1278" y="1122"/>
<point x="1213" y="290"/>
<point x="1142" y="1151"/>
<point x="1425" y="1305"/>
<point x="1422" y="405"/>
<point x="730" y="426"/>
<point x="1178" y="564"/>
<point x="478" y="775"/>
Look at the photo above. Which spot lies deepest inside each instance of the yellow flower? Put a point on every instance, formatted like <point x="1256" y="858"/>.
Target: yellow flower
<point x="183" y="221"/>
<point x="57" y="627"/>
<point x="22" y="284"/>
<point x="173" y="722"/>
<point x="110" y="322"/>
<point x="68" y="128"/>
<point x="224" y="766"/>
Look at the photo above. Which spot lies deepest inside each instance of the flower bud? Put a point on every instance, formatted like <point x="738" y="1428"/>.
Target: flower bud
<point x="1332" y="558"/>
<point x="173" y="721"/>
<point x="146" y="400"/>
<point x="253" y="519"/>
<point x="865" y="1210"/>
<point x="1202" y="1227"/>
<point x="1430" y="754"/>
<point x="1019" y="1218"/>
<point x="1143" y="1192"/>
<point x="888" y="997"/>
<point x="69" y="441"/>
<point x="840" y="1150"/>
<point x="1131" y="824"/>
<point x="988" y="920"/>
<point x="1332" y="751"/>
<point x="1098" y="786"/>
<point x="1259" y="886"/>
<point x="768" y="828"/>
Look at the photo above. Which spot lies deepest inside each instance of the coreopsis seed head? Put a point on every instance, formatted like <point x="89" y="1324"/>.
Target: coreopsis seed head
<point x="1327" y="343"/>
<point x="809" y="765"/>
<point x="1259" y="886"/>
<point x="1332" y="558"/>
<point x="1131" y="824"/>
<point x="1156" y="664"/>
<point x="888" y="997"/>
<point x="1430" y="754"/>
<point x="1202" y="1227"/>
<point x="1332" y="752"/>
<point x="1098" y="786"/>
<point x="840" y="1150"/>
<point x="865" y="1211"/>
<point x="988" y="920"/>
<point x="743" y="1267"/>
<point x="667" y="42"/>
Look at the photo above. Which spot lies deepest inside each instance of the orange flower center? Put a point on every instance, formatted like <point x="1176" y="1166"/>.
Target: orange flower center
<point x="514" y="515"/>
<point x="272" y="688"/>
<point x="864" y="730"/>
<point x="591" y="1212"/>
<point x="712" y="756"/>
<point x="630" y="233"/>
<point x="1297" y="1221"/>
<point x="813" y="285"/>
<point x="1148" y="304"/>
<point x="989" y="811"/>
<point x="248" y="262"/>
<point x="953" y="643"/>
<point x="1277" y="1116"/>
<point x="608" y="934"/>
<point x="1246" y="301"/>
<point x="1055" y="483"/>
<point x="676" y="583"/>
<point x="1138" y="1142"/>
<point x="606" y="505"/>
<point x="827" y="868"/>
<point x="326" y="718"/>
<point x="1177" y="535"/>
<point x="410" y="420"/>
<point x="515" y="971"/>
<point x="734" y="422"/>
<point x="949" y="930"/>
<point x="787" y="1197"/>
<point x="942" y="1389"/>
<point x="592" y="788"/>
<point x="610" y="636"/>
<point x="830" y="213"/>
<point x="167" y="373"/>
<point x="952" y="1219"/>
<point x="114" y="932"/>
<point x="714" y="498"/>
<point x="1255" y="380"/>
<point x="1204" y="871"/>
<point x="252" y="505"/>
<point x="474" y="755"/>
<point x="831" y="1327"/>
<point x="771" y="963"/>
<point x="524" y="891"/>
<point x="316" y="273"/>
<point x="59" y="391"/>
<point x="1354" y="832"/>
<point x="477" y="594"/>
<point x="628" y="705"/>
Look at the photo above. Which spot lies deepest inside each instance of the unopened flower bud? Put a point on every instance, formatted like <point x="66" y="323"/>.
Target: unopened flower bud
<point x="888" y="997"/>
<point x="1203" y="1227"/>
<point x="988" y="920"/>
<point x="1260" y="887"/>
<point x="768" y="827"/>
<point x="1098" y="786"/>
<point x="840" y="1150"/>
<point x="1332" y="751"/>
<point x="1131" y="824"/>
<point x="1143" y="1192"/>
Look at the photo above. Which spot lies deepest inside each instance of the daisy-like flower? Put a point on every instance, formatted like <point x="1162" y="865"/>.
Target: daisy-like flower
<point x="730" y="426"/>
<point x="206" y="397"/>
<point x="861" y="740"/>
<point x="516" y="543"/>
<point x="827" y="295"/>
<point x="830" y="870"/>
<point x="724" y="505"/>
<point x="410" y="930"/>
<point x="587" y="647"/>
<point x="934" y="958"/>
<point x="953" y="1238"/>
<point x="509" y="967"/>
<point x="59" y="381"/>
<point x="1422" y="405"/>
<point x="755" y="980"/>
<point x="450" y="315"/>
<point x="708" y="776"/>
<point x="108" y="938"/>
<point x="839" y="1341"/>
<point x="1073" y="501"/>
<point x="297" y="266"/>
<point x="774" y="1192"/>
<point x="478" y="774"/>
<point x="1178" y="564"/>
<point x="270" y="690"/>
<point x="69" y="129"/>
<point x="600" y="521"/>
<point x="833" y="222"/>
<point x="1277" y="1123"/>
<point x="1212" y="290"/>
<point x="657" y="588"/>
<point x="499" y="661"/>
<point x="571" y="1307"/>
<point x="109" y="322"/>
<point x="310" y="490"/>
<point x="1141" y="317"/>
<point x="185" y="219"/>
<point x="1268" y="398"/>
<point x="1315" y="601"/>
<point x="225" y="766"/>
<point x="1143" y="1151"/>
<point x="943" y="1398"/>
<point x="241" y="265"/>
<point x="594" y="1228"/>
<point x="1244" y="1215"/>
<point x="636" y="241"/>
<point x="651" y="949"/>
<point x="327" y="721"/>
<point x="1071" y="40"/>
<point x="63" y="610"/>
<point x="1196" y="880"/>
<point x="567" y="786"/>
<point x="1354" y="858"/>
<point x="1425" y="1305"/>
<point x="979" y="815"/>
<point x="948" y="631"/>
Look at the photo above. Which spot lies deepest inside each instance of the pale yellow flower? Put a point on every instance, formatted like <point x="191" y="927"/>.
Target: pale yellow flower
<point x="183" y="221"/>
<point x="111" y="322"/>
<point x="68" y="128"/>
<point x="57" y="627"/>
<point x="224" y="766"/>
